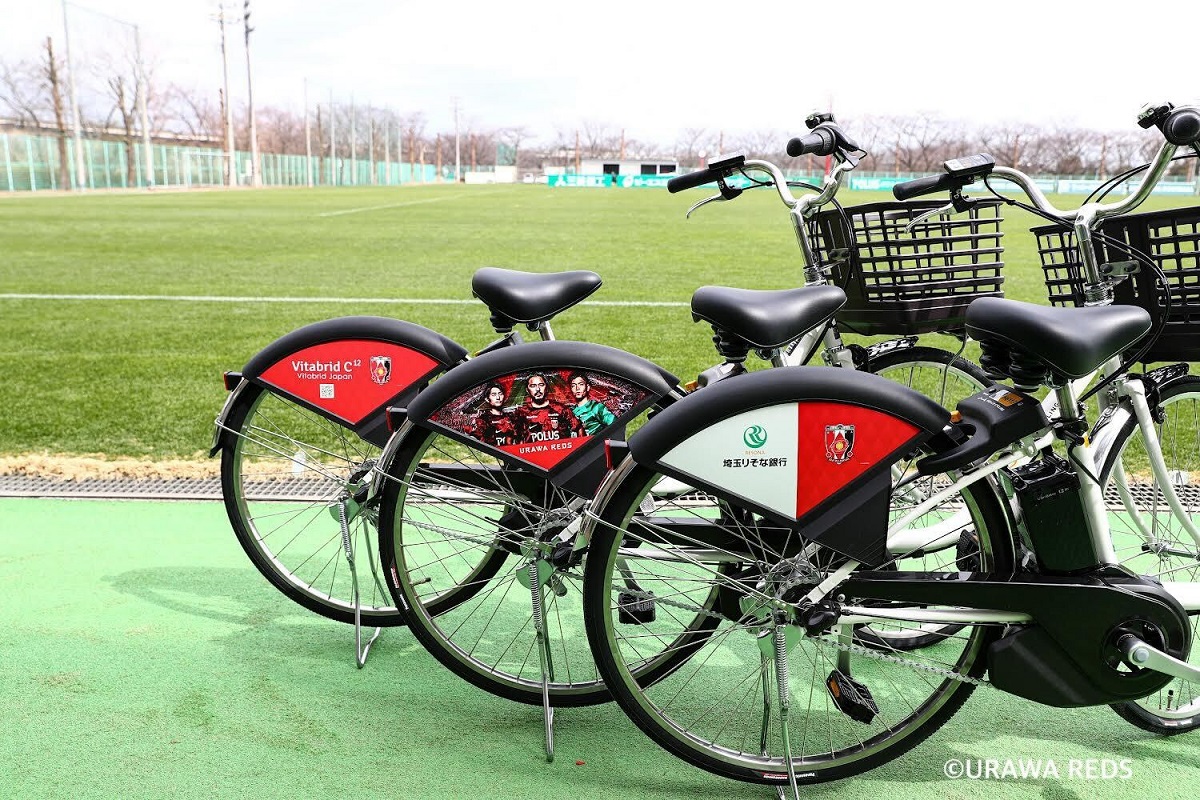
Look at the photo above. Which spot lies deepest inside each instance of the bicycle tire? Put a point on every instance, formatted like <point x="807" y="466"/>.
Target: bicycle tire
<point x="1169" y="554"/>
<point x="945" y="378"/>
<point x="686" y="714"/>
<point x="282" y="469"/>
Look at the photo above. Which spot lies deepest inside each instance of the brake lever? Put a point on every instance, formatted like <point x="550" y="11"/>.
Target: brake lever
<point x="716" y="198"/>
<point x="727" y="193"/>
<point x="920" y="219"/>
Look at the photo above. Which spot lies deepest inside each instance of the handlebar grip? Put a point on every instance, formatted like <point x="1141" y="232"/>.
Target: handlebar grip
<point x="927" y="185"/>
<point x="691" y="180"/>
<point x="821" y="142"/>
<point x="1182" y="126"/>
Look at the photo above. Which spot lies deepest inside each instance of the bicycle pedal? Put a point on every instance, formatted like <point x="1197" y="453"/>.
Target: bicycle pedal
<point x="851" y="697"/>
<point x="634" y="609"/>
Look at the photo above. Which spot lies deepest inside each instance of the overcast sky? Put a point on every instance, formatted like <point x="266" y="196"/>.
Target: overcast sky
<point x="656" y="67"/>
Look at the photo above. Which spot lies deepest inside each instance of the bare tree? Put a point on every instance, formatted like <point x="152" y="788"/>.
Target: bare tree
<point x="21" y="92"/>
<point x="50" y="70"/>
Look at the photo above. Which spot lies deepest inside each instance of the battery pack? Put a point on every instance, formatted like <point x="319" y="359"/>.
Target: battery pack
<point x="1053" y="520"/>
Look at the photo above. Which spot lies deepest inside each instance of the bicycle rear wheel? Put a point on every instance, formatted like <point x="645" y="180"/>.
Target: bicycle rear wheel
<point x="1151" y="540"/>
<point x="720" y="710"/>
<point x="284" y="473"/>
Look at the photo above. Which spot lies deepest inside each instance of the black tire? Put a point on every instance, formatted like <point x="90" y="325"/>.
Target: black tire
<point x="945" y="378"/>
<point x="1164" y="550"/>
<point x="707" y="712"/>
<point x="282" y="468"/>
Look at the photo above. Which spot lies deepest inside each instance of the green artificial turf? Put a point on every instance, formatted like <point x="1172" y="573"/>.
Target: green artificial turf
<point x="142" y="378"/>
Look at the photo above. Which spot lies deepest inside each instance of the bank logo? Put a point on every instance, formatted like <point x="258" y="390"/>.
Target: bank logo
<point x="839" y="443"/>
<point x="755" y="436"/>
<point x="381" y="369"/>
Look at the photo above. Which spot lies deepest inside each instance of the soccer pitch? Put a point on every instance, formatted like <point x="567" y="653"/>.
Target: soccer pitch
<point x="119" y="312"/>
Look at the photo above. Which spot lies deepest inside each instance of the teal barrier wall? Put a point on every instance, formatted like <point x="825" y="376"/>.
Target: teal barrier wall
<point x="31" y="163"/>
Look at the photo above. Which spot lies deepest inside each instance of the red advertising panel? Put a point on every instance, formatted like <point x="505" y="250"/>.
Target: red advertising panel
<point x="349" y="379"/>
<point x="541" y="416"/>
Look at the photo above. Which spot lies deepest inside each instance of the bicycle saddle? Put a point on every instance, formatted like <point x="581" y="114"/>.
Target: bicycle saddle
<point x="1072" y="342"/>
<point x="530" y="297"/>
<point x="766" y="319"/>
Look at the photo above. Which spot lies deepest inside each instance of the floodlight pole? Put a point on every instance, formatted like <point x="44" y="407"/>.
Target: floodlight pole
<point x="255" y="176"/>
<point x="77" y="133"/>
<point x="143" y="88"/>
<point x="230" y="155"/>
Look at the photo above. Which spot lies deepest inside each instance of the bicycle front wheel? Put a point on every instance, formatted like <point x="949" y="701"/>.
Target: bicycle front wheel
<point x="1151" y="539"/>
<point x="722" y="709"/>
<point x="285" y="473"/>
<point x="943" y="539"/>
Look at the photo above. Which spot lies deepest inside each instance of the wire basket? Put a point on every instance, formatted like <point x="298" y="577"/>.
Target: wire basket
<point x="1171" y="239"/>
<point x="899" y="282"/>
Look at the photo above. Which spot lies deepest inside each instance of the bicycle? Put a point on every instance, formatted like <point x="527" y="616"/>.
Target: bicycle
<point x="786" y="570"/>
<point x="297" y="465"/>
<point x="305" y="422"/>
<point x="452" y="483"/>
<point x="1109" y="256"/>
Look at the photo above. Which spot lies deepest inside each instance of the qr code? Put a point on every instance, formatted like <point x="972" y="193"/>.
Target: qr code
<point x="326" y="391"/>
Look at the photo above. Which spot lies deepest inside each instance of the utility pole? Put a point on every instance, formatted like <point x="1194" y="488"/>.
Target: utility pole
<point x="80" y="177"/>
<point x="333" y="170"/>
<point x="457" y="149"/>
<point x="308" y="172"/>
<point x="230" y="156"/>
<point x="255" y="176"/>
<point x="353" y="145"/>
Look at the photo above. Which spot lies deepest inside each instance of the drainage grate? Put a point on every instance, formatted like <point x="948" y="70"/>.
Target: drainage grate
<point x="296" y="489"/>
<point x="302" y="489"/>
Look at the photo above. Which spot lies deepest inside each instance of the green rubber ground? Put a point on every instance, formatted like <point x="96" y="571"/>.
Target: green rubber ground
<point x="142" y="656"/>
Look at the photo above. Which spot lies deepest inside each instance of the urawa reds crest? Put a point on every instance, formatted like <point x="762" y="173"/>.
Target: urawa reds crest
<point x="839" y="443"/>
<point x="381" y="369"/>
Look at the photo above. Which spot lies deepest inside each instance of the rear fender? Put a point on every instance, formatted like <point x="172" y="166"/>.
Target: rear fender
<point x="349" y="370"/>
<point x="809" y="447"/>
<point x="562" y="437"/>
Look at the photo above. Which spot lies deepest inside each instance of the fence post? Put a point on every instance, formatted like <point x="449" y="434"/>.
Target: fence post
<point x="29" y="162"/>
<point x="7" y="162"/>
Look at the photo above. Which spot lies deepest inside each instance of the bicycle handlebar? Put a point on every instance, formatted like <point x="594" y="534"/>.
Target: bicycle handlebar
<point x="692" y="179"/>
<point x="1180" y="126"/>
<point x="926" y="185"/>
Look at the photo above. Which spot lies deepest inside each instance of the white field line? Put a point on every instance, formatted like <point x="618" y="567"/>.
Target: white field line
<point x="408" y="203"/>
<point x="415" y="301"/>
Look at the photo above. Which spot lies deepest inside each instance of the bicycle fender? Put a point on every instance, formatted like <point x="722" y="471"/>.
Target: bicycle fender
<point x="809" y="447"/>
<point x="535" y="420"/>
<point x="220" y="425"/>
<point x="350" y="369"/>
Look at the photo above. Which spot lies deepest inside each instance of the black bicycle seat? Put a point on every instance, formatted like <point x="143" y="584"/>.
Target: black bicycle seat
<point x="531" y="297"/>
<point x="766" y="319"/>
<point x="1070" y="341"/>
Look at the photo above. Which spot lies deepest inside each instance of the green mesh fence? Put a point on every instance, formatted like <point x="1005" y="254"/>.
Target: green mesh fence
<point x="33" y="163"/>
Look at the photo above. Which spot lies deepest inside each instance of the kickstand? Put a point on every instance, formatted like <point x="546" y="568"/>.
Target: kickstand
<point x="360" y="652"/>
<point x="543" y="644"/>
<point x="783" y="681"/>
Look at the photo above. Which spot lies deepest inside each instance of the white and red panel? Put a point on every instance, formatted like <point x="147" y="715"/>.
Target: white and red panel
<point x="789" y="458"/>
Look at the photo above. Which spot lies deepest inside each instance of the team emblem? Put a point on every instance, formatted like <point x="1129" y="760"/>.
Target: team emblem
<point x="839" y="443"/>
<point x="381" y="369"/>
